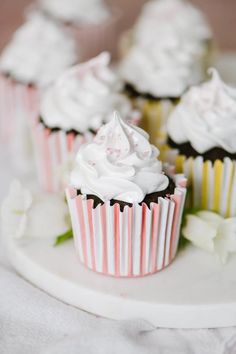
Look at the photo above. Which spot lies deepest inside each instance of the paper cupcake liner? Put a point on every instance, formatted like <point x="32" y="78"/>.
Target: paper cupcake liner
<point x="94" y="39"/>
<point x="131" y="243"/>
<point x="19" y="106"/>
<point x="212" y="185"/>
<point x="54" y="153"/>
<point x="155" y="114"/>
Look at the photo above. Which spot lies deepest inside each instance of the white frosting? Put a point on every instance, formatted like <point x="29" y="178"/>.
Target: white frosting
<point x="119" y="164"/>
<point x="85" y="97"/>
<point x="162" y="73"/>
<point x="39" y="51"/>
<point x="169" y="48"/>
<point x="161" y="20"/>
<point x="206" y="117"/>
<point x="77" y="11"/>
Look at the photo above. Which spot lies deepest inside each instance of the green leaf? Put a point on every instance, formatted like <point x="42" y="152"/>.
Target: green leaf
<point x="183" y="242"/>
<point x="64" y="237"/>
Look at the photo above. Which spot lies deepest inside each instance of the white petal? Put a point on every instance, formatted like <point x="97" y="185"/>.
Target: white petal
<point x="12" y="225"/>
<point x="13" y="216"/>
<point x="48" y="217"/>
<point x="19" y="199"/>
<point x="210" y="217"/>
<point x="200" y="233"/>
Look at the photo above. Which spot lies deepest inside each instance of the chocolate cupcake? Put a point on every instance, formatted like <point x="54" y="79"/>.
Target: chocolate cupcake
<point x="118" y="188"/>
<point x="167" y="55"/>
<point x="71" y="112"/>
<point x="201" y="138"/>
<point x="38" y="52"/>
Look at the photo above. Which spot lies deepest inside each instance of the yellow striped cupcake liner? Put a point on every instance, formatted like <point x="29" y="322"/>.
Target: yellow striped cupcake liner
<point x="212" y="185"/>
<point x="154" y="117"/>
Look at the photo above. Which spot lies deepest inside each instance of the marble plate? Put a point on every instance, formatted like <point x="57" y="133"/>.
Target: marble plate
<point x="196" y="291"/>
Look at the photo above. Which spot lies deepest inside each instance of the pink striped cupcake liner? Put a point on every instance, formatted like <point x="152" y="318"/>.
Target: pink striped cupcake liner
<point x="54" y="150"/>
<point x="19" y="105"/>
<point x="135" y="242"/>
<point x="94" y="39"/>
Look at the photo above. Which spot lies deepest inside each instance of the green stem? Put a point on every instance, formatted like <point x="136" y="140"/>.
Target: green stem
<point x="64" y="237"/>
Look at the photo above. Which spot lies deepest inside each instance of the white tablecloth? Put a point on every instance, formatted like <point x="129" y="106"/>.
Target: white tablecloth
<point x="32" y="322"/>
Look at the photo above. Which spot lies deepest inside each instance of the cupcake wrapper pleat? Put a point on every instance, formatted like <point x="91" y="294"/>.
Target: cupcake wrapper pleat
<point x="54" y="151"/>
<point x="134" y="242"/>
<point x="212" y="184"/>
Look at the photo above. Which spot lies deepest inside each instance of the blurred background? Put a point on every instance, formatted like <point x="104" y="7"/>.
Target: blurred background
<point x="221" y="14"/>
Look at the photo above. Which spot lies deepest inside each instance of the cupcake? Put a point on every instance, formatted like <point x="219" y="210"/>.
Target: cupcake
<point x="201" y="138"/>
<point x="71" y="112"/>
<point x="118" y="188"/>
<point x="93" y="22"/>
<point x="155" y="80"/>
<point x="168" y="52"/>
<point x="38" y="52"/>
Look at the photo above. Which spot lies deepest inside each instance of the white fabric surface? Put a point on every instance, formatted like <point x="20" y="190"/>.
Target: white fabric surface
<point x="32" y="322"/>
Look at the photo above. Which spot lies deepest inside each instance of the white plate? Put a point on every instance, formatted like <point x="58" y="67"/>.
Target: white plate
<point x="196" y="291"/>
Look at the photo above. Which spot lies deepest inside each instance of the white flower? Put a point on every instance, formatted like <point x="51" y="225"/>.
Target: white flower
<point x="211" y="232"/>
<point x="14" y="210"/>
<point x="34" y="215"/>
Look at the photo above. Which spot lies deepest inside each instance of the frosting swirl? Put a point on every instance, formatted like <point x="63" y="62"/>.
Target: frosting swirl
<point x="80" y="12"/>
<point x="161" y="20"/>
<point x="119" y="164"/>
<point x="39" y="51"/>
<point x="206" y="117"/>
<point x="84" y="97"/>
<point x="168" y="50"/>
<point x="162" y="73"/>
